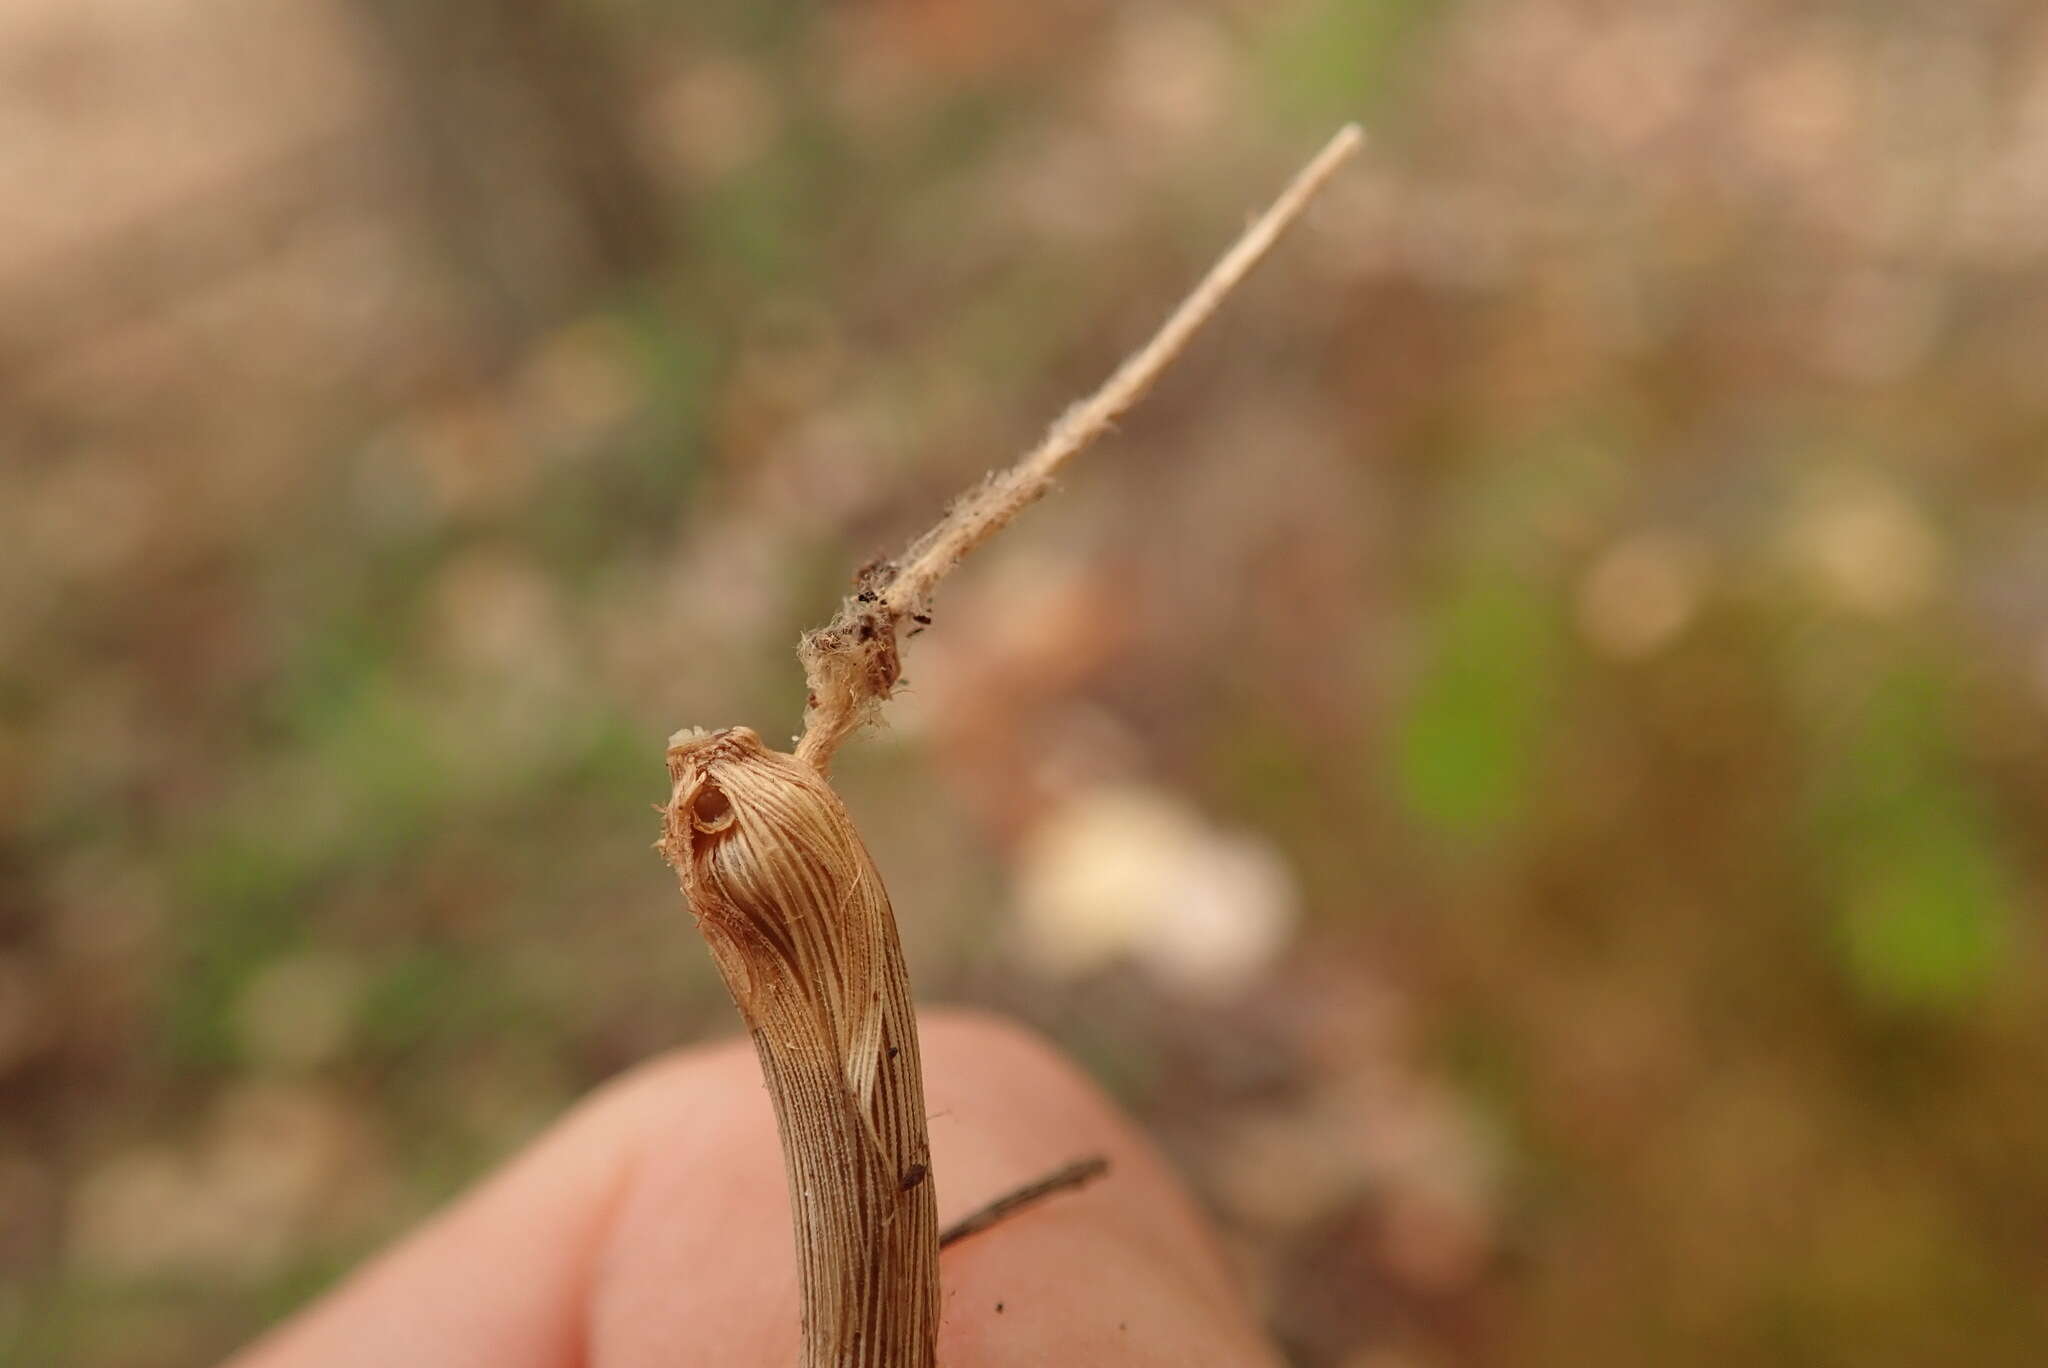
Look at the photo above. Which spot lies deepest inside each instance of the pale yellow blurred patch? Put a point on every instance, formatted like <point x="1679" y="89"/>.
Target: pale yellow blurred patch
<point x="1641" y="593"/>
<point x="276" y="1165"/>
<point x="713" y="117"/>
<point x="1866" y="547"/>
<point x="1128" y="872"/>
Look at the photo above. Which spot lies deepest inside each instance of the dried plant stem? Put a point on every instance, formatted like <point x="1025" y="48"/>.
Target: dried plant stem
<point x="800" y="925"/>
<point x="851" y="665"/>
<point x="801" y="929"/>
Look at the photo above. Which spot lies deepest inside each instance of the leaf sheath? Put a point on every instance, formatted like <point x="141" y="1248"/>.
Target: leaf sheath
<point x="800" y="926"/>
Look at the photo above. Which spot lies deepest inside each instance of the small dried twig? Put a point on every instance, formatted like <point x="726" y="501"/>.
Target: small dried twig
<point x="851" y="664"/>
<point x="1080" y="1173"/>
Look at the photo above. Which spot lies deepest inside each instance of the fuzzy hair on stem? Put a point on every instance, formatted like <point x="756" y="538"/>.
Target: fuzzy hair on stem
<point x="800" y="925"/>
<point x="851" y="665"/>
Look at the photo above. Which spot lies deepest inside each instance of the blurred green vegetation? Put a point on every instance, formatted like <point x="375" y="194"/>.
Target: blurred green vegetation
<point x="1601" y="560"/>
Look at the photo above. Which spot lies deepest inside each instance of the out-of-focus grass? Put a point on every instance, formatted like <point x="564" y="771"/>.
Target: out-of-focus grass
<point x="1927" y="898"/>
<point x="1338" y="60"/>
<point x="1468" y="760"/>
<point x="1606" y="568"/>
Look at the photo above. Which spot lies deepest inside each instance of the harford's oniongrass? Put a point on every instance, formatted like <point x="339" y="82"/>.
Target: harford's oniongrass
<point x="800" y="925"/>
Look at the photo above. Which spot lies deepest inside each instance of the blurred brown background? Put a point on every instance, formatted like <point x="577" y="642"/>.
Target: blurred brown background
<point x="1524" y="763"/>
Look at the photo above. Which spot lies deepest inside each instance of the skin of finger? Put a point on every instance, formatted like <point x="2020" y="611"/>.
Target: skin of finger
<point x="1123" y="1271"/>
<point x="504" y="1276"/>
<point x="650" y="1227"/>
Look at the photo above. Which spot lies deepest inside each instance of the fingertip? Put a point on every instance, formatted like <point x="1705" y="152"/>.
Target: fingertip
<point x="651" y="1226"/>
<point x="700" y="1267"/>
<point x="1125" y="1269"/>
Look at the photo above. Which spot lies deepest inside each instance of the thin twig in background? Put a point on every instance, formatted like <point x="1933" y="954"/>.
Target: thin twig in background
<point x="1080" y="1173"/>
<point x="851" y="664"/>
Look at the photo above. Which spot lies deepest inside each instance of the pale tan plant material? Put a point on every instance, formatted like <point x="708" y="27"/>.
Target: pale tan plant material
<point x="800" y="926"/>
<point x="798" y="921"/>
<point x="851" y="664"/>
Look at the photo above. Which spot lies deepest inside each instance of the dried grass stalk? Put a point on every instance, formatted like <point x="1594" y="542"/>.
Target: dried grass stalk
<point x="800" y="925"/>
<point x="851" y="664"/>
